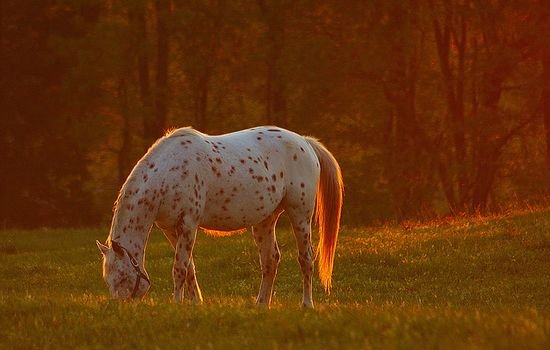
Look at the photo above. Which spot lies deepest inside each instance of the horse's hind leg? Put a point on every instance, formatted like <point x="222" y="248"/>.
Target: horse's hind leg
<point x="191" y="283"/>
<point x="264" y="235"/>
<point x="300" y="220"/>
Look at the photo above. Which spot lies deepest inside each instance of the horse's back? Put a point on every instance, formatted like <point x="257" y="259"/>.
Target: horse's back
<point x="234" y="180"/>
<point x="287" y="157"/>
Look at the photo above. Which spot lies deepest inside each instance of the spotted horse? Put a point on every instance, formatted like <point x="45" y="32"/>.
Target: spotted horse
<point x="224" y="184"/>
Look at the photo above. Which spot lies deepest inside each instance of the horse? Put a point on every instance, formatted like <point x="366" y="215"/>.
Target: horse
<point x="224" y="184"/>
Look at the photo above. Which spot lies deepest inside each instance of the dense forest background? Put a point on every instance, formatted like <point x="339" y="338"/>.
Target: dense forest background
<point x="432" y="107"/>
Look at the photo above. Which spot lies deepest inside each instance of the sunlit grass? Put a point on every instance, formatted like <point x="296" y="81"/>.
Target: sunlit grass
<point x="469" y="283"/>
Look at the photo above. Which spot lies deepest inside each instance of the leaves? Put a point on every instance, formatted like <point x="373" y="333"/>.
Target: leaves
<point x="424" y="102"/>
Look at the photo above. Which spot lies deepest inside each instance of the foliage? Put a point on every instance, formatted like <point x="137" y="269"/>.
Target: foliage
<point x="433" y="107"/>
<point x="466" y="283"/>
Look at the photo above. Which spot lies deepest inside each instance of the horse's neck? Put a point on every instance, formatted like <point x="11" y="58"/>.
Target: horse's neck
<point x="130" y="227"/>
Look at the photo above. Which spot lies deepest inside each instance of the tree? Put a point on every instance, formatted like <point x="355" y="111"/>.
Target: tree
<point x="137" y="20"/>
<point x="546" y="100"/>
<point x="274" y="16"/>
<point x="478" y="52"/>
<point x="200" y="27"/>
<point x="162" y="17"/>
<point x="41" y="138"/>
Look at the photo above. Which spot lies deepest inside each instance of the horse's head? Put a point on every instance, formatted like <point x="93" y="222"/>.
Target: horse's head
<point x="122" y="273"/>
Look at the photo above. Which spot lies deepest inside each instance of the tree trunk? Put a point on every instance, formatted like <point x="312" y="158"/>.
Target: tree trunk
<point x="546" y="101"/>
<point x="454" y="85"/>
<point x="275" y="91"/>
<point x="143" y="56"/>
<point x="139" y="26"/>
<point x="407" y="167"/>
<point x="201" y="101"/>
<point x="162" y="13"/>
<point x="486" y="169"/>
<point x="269" y="92"/>
<point x="1" y="30"/>
<point x="124" y="153"/>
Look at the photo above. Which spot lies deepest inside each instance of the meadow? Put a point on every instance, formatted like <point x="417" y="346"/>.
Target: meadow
<point x="457" y="284"/>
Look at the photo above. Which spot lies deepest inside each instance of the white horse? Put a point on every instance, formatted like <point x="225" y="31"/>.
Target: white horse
<point x="224" y="184"/>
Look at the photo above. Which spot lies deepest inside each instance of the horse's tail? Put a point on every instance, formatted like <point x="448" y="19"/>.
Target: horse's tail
<point x="328" y="209"/>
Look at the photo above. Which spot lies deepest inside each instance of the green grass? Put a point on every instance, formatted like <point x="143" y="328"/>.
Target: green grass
<point x="481" y="283"/>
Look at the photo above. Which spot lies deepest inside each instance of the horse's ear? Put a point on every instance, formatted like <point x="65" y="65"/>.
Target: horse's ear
<point x="103" y="248"/>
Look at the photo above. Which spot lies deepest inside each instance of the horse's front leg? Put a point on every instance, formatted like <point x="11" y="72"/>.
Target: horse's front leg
<point x="192" y="285"/>
<point x="193" y="289"/>
<point x="182" y="262"/>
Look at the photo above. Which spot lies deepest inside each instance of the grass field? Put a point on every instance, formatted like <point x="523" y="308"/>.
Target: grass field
<point x="482" y="283"/>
